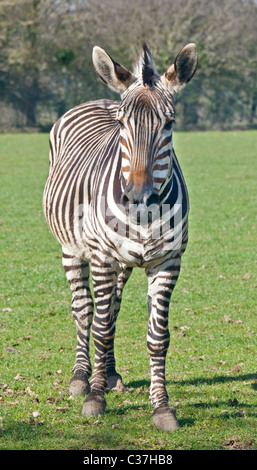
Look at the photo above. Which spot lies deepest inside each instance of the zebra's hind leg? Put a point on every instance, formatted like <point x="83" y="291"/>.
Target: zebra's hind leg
<point x="114" y="379"/>
<point x="160" y="286"/>
<point x="77" y="273"/>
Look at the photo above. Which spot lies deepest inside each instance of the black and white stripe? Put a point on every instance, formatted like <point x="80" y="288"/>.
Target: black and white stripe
<point x="100" y="151"/>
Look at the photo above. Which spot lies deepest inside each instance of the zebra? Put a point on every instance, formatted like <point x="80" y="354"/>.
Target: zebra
<point x="115" y="199"/>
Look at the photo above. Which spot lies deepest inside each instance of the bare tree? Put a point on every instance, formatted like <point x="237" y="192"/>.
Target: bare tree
<point x="46" y="45"/>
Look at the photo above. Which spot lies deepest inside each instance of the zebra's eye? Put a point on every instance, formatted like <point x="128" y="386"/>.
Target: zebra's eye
<point x="168" y="126"/>
<point x="121" y="124"/>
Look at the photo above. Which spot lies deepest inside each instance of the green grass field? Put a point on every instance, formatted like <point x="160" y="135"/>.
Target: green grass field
<point x="211" y="363"/>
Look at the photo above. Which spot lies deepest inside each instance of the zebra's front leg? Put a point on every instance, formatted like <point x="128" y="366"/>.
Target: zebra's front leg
<point x="114" y="379"/>
<point x="160" y="287"/>
<point x="104" y="278"/>
<point x="77" y="273"/>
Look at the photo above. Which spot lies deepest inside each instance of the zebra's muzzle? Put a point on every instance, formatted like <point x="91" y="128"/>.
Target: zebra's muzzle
<point x="141" y="205"/>
<point x="132" y="195"/>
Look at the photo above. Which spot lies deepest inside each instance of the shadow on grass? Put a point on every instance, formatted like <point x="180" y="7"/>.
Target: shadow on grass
<point x="218" y="379"/>
<point x="201" y="381"/>
<point x="128" y="408"/>
<point x="237" y="407"/>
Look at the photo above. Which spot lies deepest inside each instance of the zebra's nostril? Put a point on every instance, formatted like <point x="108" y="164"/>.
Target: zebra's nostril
<point x="147" y="197"/>
<point x="124" y="199"/>
<point x="152" y="198"/>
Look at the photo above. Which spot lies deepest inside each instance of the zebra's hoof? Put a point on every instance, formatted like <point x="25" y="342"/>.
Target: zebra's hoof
<point x="79" y="384"/>
<point x="165" y="419"/>
<point x="94" y="405"/>
<point x="114" y="382"/>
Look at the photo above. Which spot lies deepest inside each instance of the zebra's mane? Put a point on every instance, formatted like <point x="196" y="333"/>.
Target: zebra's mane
<point x="145" y="67"/>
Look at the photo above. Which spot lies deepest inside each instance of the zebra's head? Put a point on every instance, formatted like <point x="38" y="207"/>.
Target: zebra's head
<point x="146" y="114"/>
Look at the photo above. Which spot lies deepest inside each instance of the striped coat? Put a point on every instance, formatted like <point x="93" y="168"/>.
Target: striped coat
<point x="116" y="199"/>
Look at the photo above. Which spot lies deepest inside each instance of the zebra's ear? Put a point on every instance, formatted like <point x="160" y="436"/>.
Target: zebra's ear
<point x="183" y="69"/>
<point x="114" y="75"/>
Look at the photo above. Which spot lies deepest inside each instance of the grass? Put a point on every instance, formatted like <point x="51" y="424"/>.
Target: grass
<point x="211" y="363"/>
